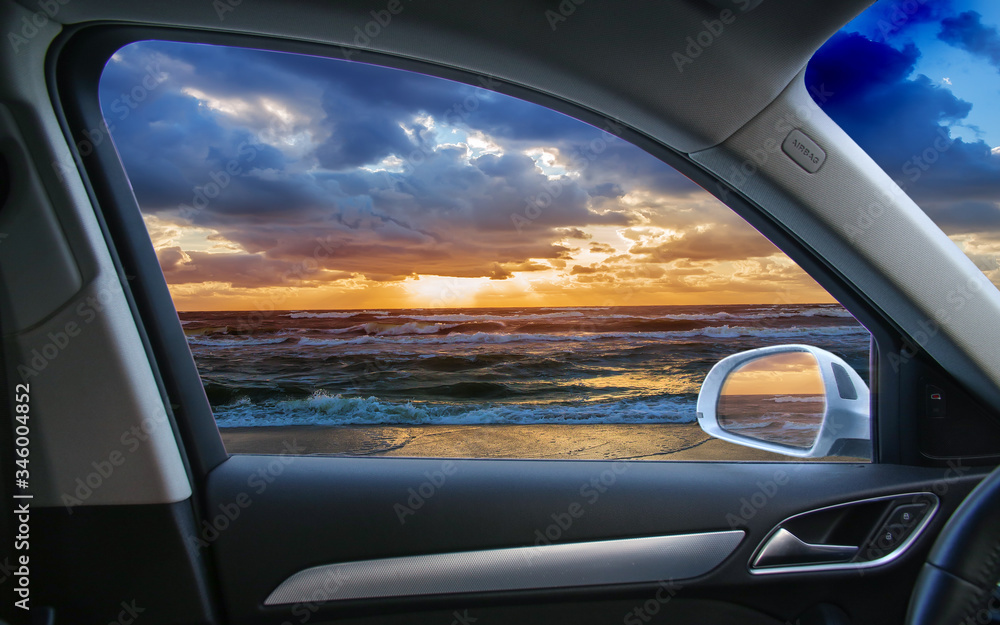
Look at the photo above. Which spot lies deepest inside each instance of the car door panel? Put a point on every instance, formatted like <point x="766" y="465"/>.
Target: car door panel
<point x="326" y="511"/>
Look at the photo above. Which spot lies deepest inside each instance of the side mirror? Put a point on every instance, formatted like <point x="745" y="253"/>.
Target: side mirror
<point x="795" y="400"/>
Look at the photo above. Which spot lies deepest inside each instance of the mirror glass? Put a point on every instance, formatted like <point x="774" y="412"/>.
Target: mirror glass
<point x="778" y="398"/>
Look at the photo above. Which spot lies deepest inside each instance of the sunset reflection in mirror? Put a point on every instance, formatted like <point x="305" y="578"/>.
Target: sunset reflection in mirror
<point x="777" y="398"/>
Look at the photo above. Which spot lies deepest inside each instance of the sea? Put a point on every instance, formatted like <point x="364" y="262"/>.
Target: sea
<point x="572" y="365"/>
<point x="785" y="418"/>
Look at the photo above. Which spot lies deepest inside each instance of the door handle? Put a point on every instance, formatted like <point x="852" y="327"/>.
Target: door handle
<point x="785" y="548"/>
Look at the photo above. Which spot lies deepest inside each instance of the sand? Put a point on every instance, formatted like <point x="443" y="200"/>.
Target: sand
<point x="669" y="441"/>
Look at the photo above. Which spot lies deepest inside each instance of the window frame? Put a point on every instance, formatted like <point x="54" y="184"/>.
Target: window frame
<point x="75" y="64"/>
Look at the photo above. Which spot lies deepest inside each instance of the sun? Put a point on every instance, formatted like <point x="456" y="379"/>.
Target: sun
<point x="429" y="291"/>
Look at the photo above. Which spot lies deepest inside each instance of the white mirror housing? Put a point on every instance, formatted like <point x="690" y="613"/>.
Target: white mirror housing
<point x="845" y="429"/>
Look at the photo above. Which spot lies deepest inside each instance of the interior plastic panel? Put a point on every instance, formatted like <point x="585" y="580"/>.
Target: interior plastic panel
<point x="38" y="273"/>
<point x="101" y="432"/>
<point x="272" y="516"/>
<point x="87" y="561"/>
<point x="756" y="49"/>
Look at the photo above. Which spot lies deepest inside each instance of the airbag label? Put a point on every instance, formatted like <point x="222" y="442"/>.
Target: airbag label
<point x="804" y="151"/>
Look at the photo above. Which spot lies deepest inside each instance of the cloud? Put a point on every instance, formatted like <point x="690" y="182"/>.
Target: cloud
<point x="574" y="233"/>
<point x="852" y="66"/>
<point x="897" y="19"/>
<point x="710" y="242"/>
<point x="966" y="31"/>
<point x="966" y="216"/>
<point x="499" y="273"/>
<point x="239" y="270"/>
<point x="601" y="248"/>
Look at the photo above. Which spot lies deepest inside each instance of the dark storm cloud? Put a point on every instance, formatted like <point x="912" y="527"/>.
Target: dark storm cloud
<point x="902" y="120"/>
<point x="240" y="270"/>
<point x="574" y="233"/>
<point x="889" y="20"/>
<point x="967" y="32"/>
<point x="851" y="66"/>
<point x="607" y="189"/>
<point x="965" y="217"/>
<point x="622" y="167"/>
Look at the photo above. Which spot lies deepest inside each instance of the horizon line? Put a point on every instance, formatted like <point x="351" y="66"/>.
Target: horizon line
<point x="369" y="308"/>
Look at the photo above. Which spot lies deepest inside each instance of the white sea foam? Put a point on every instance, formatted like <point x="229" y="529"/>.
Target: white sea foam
<point x="794" y="425"/>
<point x="324" y="409"/>
<point x="794" y="331"/>
<point x="742" y="424"/>
<point x="412" y="327"/>
<point x="810" y="399"/>
<point x="466" y="318"/>
<point x="335" y="315"/>
<point x="235" y="341"/>
<point x="823" y="312"/>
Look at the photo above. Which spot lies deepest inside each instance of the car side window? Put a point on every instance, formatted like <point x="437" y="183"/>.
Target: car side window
<point x="367" y="260"/>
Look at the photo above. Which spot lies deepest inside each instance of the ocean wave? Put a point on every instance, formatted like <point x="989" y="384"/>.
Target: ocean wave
<point x="238" y="341"/>
<point x="412" y="327"/>
<point x="325" y="409"/>
<point x="773" y="420"/>
<point x="603" y="313"/>
<point x="335" y="315"/>
<point x="811" y="399"/>
<point x="795" y="425"/>
<point x="430" y="335"/>
<point x="477" y="337"/>
<point x="838" y="313"/>
<point x="568" y="314"/>
<point x="463" y="317"/>
<point x="743" y="424"/>
<point x="699" y="316"/>
<point x="823" y="312"/>
<point x="726" y="331"/>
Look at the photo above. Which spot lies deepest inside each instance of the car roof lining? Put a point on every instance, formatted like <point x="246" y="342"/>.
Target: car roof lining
<point x="749" y="58"/>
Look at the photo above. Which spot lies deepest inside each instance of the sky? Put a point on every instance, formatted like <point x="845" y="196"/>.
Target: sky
<point x="279" y="181"/>
<point x="792" y="373"/>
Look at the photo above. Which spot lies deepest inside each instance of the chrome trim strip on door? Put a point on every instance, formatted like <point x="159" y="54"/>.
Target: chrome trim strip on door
<point x="629" y="560"/>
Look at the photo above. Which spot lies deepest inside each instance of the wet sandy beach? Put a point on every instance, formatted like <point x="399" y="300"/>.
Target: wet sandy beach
<point x="668" y="441"/>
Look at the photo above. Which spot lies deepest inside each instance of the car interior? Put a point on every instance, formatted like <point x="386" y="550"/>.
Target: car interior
<point x="122" y="504"/>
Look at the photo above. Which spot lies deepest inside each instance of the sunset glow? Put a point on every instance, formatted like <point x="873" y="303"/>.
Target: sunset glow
<point x="792" y="373"/>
